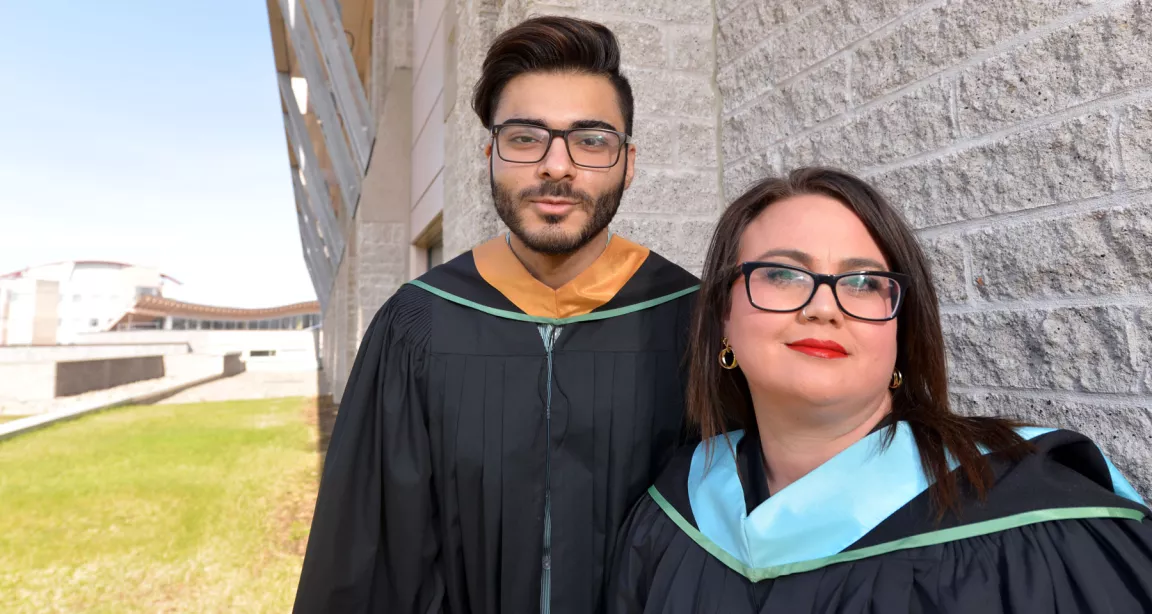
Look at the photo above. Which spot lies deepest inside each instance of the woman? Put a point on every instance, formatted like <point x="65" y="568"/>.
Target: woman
<point x="853" y="487"/>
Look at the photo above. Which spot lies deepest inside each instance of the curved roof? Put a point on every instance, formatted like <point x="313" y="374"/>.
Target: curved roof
<point x="77" y="263"/>
<point x="158" y="306"/>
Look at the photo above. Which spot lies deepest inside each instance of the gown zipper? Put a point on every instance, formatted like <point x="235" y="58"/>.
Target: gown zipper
<point x="548" y="333"/>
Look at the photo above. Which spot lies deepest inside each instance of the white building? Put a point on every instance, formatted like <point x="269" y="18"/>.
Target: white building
<point x="72" y="298"/>
<point x="28" y="309"/>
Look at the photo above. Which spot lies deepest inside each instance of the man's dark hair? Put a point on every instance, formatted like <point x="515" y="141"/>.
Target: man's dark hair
<point x="551" y="45"/>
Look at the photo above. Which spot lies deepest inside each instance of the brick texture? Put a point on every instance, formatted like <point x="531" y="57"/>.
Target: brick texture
<point x="1015" y="136"/>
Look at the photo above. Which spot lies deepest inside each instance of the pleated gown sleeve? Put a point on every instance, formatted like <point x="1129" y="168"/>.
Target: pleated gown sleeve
<point x="373" y="543"/>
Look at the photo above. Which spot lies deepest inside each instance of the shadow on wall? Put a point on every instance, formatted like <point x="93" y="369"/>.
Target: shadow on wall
<point x="78" y="377"/>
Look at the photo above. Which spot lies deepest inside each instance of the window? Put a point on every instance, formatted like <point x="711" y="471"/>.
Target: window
<point x="435" y="253"/>
<point x="259" y="353"/>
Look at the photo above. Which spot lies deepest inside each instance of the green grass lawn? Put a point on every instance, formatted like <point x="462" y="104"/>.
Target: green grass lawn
<point x="167" y="508"/>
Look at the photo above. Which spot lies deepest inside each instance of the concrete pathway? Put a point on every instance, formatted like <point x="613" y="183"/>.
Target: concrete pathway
<point x="67" y="408"/>
<point x="252" y="385"/>
<point x="198" y="389"/>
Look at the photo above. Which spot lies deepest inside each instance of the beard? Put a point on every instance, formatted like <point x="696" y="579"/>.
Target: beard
<point x="553" y="239"/>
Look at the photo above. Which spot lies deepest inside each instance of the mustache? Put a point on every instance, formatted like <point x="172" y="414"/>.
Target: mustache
<point x="555" y="190"/>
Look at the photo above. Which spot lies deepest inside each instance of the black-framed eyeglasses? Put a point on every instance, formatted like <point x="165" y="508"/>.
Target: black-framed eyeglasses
<point x="875" y="296"/>
<point x="587" y="147"/>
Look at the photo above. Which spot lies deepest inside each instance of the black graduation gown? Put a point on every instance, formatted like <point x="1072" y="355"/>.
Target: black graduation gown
<point x="494" y="434"/>
<point x="1061" y="532"/>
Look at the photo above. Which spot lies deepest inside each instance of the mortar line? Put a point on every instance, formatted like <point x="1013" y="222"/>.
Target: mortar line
<point x="718" y="107"/>
<point x="1120" y="182"/>
<point x="610" y="16"/>
<point x="976" y="58"/>
<point x="834" y="56"/>
<point x="773" y="31"/>
<point x="1107" y="398"/>
<point x="1106" y="103"/>
<point x="1050" y="304"/>
<point x="1034" y="214"/>
<point x="969" y="275"/>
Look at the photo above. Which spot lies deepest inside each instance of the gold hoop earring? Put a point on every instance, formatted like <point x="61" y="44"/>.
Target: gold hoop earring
<point x="727" y="356"/>
<point x="897" y="379"/>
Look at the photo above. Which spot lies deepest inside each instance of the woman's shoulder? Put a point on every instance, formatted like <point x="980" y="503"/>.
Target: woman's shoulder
<point x="1063" y="455"/>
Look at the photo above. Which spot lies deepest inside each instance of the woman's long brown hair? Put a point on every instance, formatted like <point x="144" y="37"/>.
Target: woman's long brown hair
<point x="719" y="399"/>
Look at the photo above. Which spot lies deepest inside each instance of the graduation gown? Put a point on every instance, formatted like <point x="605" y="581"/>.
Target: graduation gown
<point x="494" y="434"/>
<point x="1061" y="532"/>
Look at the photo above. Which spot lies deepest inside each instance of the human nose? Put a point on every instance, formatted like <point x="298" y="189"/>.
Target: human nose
<point x="557" y="164"/>
<point x="822" y="307"/>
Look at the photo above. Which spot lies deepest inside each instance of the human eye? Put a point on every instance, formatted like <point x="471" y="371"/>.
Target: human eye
<point x="592" y="140"/>
<point x="864" y="284"/>
<point x="522" y="136"/>
<point x="781" y="276"/>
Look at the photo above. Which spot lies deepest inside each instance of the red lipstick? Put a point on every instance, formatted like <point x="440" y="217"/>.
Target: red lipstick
<point x="819" y="348"/>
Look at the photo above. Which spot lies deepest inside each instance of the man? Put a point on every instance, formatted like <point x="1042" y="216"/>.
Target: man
<point x="509" y="407"/>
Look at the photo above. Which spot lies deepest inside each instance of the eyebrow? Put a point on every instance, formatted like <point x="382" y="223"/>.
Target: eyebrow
<point x="848" y="264"/>
<point x="580" y="123"/>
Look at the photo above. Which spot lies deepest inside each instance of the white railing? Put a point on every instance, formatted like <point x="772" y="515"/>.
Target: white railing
<point x="320" y="264"/>
<point x="311" y="176"/>
<point x="322" y="102"/>
<point x="350" y="96"/>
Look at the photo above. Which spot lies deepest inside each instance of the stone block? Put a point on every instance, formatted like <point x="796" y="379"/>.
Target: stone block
<point x="1088" y="254"/>
<point x="1058" y="163"/>
<point x="946" y="36"/>
<point x="678" y="11"/>
<point x="1122" y="431"/>
<point x="665" y="93"/>
<point x="682" y="242"/>
<point x="655" y="140"/>
<point x="748" y="26"/>
<point x="946" y="258"/>
<point x="739" y="176"/>
<point x="697" y="143"/>
<point x="782" y="113"/>
<point x="913" y="124"/>
<point x="1136" y="144"/>
<point x="695" y="236"/>
<point x="660" y="235"/>
<point x="1097" y="57"/>
<point x="724" y="7"/>
<point x="672" y="192"/>
<point x="797" y="46"/>
<point x="1081" y="349"/>
<point x="1144" y="322"/>
<point x="692" y="48"/>
<point x="641" y="44"/>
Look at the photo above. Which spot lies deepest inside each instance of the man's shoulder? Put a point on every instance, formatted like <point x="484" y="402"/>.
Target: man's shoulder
<point x="406" y="314"/>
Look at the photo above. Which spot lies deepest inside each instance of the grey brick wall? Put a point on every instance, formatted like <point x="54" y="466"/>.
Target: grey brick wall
<point x="1016" y="136"/>
<point x="668" y="52"/>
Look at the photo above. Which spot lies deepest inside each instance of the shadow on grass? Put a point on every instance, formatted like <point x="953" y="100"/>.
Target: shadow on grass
<point x="326" y="410"/>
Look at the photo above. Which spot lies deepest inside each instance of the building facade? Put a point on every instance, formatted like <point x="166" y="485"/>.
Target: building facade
<point x="1015" y="135"/>
<point x="28" y="311"/>
<point x="69" y="302"/>
<point x="86" y="296"/>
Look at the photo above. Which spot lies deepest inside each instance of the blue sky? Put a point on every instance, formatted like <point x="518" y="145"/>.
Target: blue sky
<point x="148" y="132"/>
